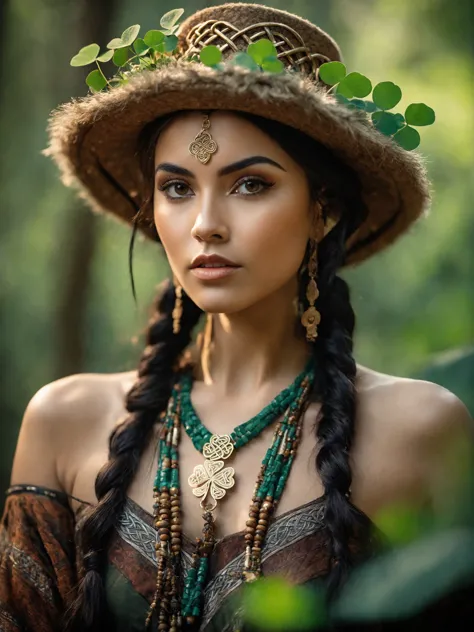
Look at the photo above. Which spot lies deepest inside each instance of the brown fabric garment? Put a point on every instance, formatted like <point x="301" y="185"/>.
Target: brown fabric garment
<point x="37" y="560"/>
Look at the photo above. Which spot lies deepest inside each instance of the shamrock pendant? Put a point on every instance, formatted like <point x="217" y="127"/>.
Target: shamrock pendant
<point x="212" y="477"/>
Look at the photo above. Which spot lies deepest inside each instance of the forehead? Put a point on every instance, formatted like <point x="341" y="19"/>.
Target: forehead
<point x="235" y="136"/>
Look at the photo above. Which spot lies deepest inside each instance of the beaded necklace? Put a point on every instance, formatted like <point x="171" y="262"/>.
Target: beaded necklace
<point x="179" y="606"/>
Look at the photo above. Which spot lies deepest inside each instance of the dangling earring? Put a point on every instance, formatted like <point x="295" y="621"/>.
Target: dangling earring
<point x="311" y="317"/>
<point x="178" y="308"/>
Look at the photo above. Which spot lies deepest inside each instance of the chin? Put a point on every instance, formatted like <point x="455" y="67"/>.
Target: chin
<point x="220" y="304"/>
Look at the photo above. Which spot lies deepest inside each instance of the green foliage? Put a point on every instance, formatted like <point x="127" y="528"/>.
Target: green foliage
<point x="86" y="55"/>
<point x="261" y="49"/>
<point x="107" y="56"/>
<point x="401" y="583"/>
<point x="385" y="96"/>
<point x="210" y="55"/>
<point x="355" y="85"/>
<point x="127" y="38"/>
<point x="130" y="53"/>
<point x="169" y="22"/>
<point x="407" y="137"/>
<point x="120" y="57"/>
<point x="332" y="72"/>
<point x="419" y="114"/>
<point x="154" y="38"/>
<point x="260" y="56"/>
<point x="96" y="81"/>
<point x="274" y="604"/>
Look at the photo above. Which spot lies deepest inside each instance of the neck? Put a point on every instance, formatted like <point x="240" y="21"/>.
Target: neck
<point x="243" y="351"/>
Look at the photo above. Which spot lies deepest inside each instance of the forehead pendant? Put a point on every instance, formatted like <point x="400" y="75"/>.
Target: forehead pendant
<point x="203" y="146"/>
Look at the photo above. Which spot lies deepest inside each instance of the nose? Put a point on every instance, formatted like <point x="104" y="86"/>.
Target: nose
<point x="209" y="225"/>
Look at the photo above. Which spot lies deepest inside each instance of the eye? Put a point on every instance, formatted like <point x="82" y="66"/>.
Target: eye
<point x="252" y="186"/>
<point x="175" y="189"/>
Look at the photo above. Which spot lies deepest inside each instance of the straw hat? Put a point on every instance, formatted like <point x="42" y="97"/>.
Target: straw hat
<point x="94" y="139"/>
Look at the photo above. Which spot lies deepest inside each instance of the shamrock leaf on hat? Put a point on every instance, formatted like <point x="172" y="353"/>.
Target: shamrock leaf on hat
<point x="129" y="53"/>
<point x="350" y="90"/>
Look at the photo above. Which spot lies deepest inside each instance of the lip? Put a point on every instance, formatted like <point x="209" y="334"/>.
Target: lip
<point x="204" y="259"/>
<point x="211" y="274"/>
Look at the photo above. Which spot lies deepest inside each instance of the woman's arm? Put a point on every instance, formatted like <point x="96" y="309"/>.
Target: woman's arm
<point x="37" y="547"/>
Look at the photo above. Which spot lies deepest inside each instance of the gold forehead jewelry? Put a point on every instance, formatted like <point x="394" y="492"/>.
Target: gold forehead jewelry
<point x="203" y="146"/>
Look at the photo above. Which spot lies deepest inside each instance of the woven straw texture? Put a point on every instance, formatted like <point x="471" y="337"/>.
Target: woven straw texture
<point x="94" y="139"/>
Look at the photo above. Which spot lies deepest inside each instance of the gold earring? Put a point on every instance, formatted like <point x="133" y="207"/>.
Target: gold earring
<point x="178" y="308"/>
<point x="203" y="145"/>
<point x="311" y="317"/>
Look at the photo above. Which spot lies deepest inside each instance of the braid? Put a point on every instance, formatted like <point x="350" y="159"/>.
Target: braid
<point x="335" y="377"/>
<point x="145" y="401"/>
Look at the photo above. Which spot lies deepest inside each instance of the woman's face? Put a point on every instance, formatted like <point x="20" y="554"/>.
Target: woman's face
<point x="250" y="204"/>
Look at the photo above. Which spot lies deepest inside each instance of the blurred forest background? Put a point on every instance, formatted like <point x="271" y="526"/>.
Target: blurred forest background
<point x="66" y="304"/>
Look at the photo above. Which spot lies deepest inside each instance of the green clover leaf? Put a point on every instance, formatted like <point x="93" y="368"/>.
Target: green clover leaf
<point x="120" y="57"/>
<point x="210" y="55"/>
<point x="140" y="46"/>
<point x="245" y="60"/>
<point x="261" y="49"/>
<point x="419" y="114"/>
<point x="356" y="85"/>
<point x="272" y="64"/>
<point x="168" y="21"/>
<point x="96" y="81"/>
<point x="127" y="38"/>
<point x="170" y="43"/>
<point x="107" y="56"/>
<point x="385" y="122"/>
<point x="332" y="72"/>
<point x="154" y="38"/>
<point x="86" y="55"/>
<point x="408" y="138"/>
<point x="386" y="95"/>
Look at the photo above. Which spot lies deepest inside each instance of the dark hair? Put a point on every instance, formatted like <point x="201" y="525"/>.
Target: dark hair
<point x="334" y="383"/>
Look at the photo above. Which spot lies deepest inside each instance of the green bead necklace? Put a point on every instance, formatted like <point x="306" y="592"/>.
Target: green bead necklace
<point x="177" y="612"/>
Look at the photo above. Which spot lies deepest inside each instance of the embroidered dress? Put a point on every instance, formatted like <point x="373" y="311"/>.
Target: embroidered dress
<point x="40" y="565"/>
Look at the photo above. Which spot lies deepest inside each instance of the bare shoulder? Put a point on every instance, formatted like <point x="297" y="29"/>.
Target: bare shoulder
<point x="63" y="420"/>
<point x="421" y="406"/>
<point x="414" y="429"/>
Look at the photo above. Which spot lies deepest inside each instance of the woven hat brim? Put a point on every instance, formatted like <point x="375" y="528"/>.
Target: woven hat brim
<point x="94" y="137"/>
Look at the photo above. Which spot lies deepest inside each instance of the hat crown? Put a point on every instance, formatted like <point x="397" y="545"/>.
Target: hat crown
<point x="232" y="27"/>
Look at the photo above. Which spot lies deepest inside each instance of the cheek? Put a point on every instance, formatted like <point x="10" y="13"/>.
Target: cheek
<point x="277" y="236"/>
<point x="172" y="230"/>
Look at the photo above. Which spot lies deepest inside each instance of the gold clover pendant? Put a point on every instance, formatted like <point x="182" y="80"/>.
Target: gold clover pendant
<point x="212" y="477"/>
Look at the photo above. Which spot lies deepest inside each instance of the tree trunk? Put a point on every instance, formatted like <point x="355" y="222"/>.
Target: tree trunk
<point x="81" y="231"/>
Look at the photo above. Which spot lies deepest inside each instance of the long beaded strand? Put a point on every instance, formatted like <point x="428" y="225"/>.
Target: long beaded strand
<point x="175" y="613"/>
<point x="167" y="513"/>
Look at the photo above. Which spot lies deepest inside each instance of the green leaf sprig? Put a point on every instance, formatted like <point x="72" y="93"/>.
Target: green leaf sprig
<point x="131" y="54"/>
<point x="350" y="89"/>
<point x="260" y="55"/>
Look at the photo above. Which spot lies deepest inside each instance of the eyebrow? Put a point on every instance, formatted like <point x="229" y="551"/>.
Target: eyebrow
<point x="224" y="171"/>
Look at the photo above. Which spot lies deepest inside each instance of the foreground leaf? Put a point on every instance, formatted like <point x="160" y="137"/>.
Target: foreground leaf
<point x="86" y="55"/>
<point x="275" y="605"/>
<point x="401" y="583"/>
<point x="260" y="49"/>
<point x="419" y="114"/>
<point x="169" y="19"/>
<point x="358" y="84"/>
<point x="386" y="95"/>
<point x="408" y="138"/>
<point x="332" y="72"/>
<point x="96" y="81"/>
<point x="210" y="55"/>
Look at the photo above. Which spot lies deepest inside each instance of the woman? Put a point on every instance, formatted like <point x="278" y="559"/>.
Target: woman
<point x="256" y="215"/>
